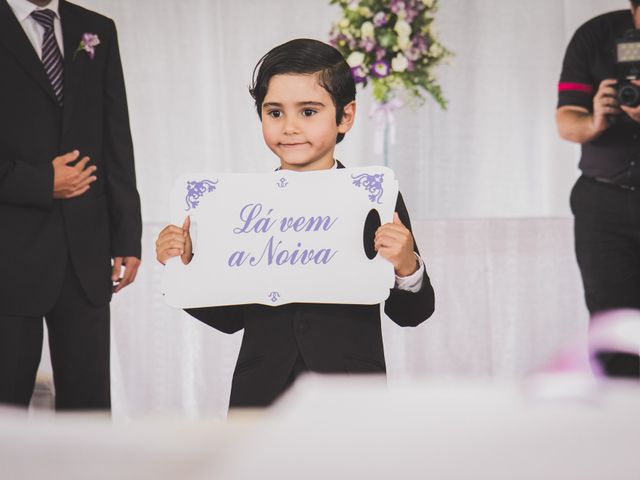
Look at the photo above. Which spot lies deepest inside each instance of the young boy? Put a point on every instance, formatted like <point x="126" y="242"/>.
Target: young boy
<point x="305" y="96"/>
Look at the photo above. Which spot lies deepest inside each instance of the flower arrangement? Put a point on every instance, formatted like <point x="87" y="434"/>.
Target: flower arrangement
<point x="392" y="45"/>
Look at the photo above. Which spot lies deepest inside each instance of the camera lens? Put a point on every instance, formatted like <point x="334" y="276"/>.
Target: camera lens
<point x="629" y="95"/>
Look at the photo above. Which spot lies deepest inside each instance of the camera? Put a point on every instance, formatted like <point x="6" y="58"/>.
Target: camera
<point x="628" y="68"/>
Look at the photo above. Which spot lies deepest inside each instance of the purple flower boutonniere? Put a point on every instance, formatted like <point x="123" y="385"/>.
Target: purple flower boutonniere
<point x="88" y="44"/>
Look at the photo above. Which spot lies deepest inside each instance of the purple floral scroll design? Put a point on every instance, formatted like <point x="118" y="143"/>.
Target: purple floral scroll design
<point x="195" y="190"/>
<point x="274" y="296"/>
<point x="282" y="183"/>
<point x="371" y="183"/>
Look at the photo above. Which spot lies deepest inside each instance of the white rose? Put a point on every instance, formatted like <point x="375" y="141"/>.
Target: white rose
<point x="355" y="59"/>
<point x="399" y="63"/>
<point x="404" y="43"/>
<point x="367" y="30"/>
<point x="402" y="28"/>
<point x="428" y="3"/>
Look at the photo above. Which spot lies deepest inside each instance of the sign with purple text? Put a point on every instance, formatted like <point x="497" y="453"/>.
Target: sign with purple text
<point x="282" y="237"/>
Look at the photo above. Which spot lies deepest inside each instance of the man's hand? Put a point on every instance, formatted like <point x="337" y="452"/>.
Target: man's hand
<point x="119" y="279"/>
<point x="633" y="112"/>
<point x="605" y="103"/>
<point x="70" y="182"/>
<point x="395" y="243"/>
<point x="174" y="241"/>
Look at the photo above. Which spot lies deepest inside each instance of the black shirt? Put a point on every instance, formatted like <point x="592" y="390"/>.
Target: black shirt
<point x="589" y="59"/>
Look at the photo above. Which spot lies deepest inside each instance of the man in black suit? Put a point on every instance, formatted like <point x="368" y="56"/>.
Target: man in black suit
<point x="69" y="208"/>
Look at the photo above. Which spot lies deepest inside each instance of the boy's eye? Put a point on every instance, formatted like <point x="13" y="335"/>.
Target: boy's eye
<point x="308" y="112"/>
<point x="274" y="113"/>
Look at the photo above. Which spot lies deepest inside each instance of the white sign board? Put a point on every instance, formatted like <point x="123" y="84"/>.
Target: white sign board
<point x="282" y="237"/>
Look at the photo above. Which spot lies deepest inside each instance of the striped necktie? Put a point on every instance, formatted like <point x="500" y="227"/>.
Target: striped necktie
<point x="51" y="56"/>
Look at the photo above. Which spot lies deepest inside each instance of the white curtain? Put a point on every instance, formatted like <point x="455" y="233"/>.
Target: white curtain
<point x="508" y="291"/>
<point x="495" y="152"/>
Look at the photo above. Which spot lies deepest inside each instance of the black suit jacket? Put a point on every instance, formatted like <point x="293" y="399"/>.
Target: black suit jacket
<point x="331" y="338"/>
<point x="39" y="233"/>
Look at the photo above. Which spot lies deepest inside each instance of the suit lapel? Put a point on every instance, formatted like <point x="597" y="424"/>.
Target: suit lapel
<point x="72" y="35"/>
<point x="15" y="40"/>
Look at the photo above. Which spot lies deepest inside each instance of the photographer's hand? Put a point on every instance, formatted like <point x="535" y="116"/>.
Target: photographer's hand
<point x="633" y="112"/>
<point x="605" y="103"/>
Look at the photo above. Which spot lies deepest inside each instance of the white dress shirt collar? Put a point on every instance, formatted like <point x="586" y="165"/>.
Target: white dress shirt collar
<point x="23" y="8"/>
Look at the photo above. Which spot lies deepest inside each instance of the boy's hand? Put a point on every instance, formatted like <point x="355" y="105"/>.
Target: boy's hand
<point x="395" y="243"/>
<point x="70" y="182"/>
<point x="174" y="241"/>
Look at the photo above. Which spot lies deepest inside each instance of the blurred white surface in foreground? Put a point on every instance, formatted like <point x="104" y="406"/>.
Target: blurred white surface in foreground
<point x="349" y="427"/>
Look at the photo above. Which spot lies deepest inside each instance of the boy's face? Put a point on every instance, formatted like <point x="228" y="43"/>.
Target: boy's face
<point x="299" y="122"/>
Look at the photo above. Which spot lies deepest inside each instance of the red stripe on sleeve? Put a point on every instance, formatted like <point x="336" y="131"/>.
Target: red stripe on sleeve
<point x="576" y="87"/>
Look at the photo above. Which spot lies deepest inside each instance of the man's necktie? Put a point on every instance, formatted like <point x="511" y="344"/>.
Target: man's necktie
<point x="51" y="56"/>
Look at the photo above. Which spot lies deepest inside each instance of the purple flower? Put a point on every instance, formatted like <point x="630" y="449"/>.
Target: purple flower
<point x="380" y="19"/>
<point x="368" y="44"/>
<point x="408" y="10"/>
<point x="420" y="44"/>
<point x="397" y="6"/>
<point x="414" y="8"/>
<point x="380" y="68"/>
<point x="358" y="75"/>
<point x="410" y="15"/>
<point x="419" y="48"/>
<point x="380" y="53"/>
<point x="88" y="43"/>
<point x="340" y="40"/>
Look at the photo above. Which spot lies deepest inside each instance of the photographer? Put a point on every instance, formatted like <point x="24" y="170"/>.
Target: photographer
<point x="605" y="200"/>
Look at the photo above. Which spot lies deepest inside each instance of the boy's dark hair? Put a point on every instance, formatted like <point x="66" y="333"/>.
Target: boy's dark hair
<point x="635" y="3"/>
<point x="306" y="57"/>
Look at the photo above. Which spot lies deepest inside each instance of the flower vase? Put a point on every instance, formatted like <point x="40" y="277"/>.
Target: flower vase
<point x="385" y="141"/>
<point x="385" y="136"/>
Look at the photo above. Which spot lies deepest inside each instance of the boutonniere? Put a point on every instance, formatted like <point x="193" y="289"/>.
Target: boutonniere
<point x="88" y="44"/>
